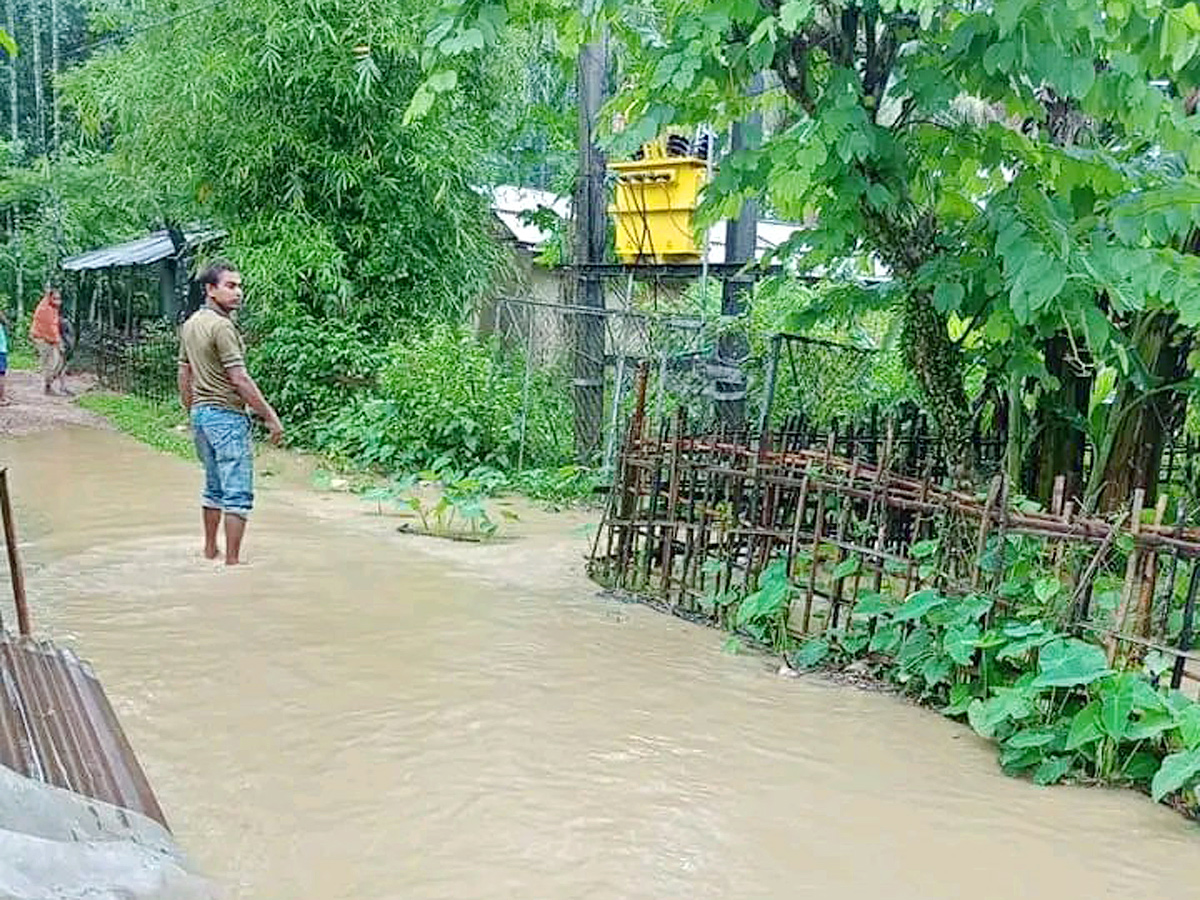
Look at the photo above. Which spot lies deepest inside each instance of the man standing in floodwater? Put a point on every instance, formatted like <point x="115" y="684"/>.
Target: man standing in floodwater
<point x="215" y="389"/>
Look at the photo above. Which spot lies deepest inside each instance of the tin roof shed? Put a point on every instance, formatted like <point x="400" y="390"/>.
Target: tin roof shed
<point x="141" y="252"/>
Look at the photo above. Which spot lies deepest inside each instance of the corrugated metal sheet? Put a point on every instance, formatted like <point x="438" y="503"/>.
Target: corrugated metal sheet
<point x="57" y="726"/>
<point x="141" y="252"/>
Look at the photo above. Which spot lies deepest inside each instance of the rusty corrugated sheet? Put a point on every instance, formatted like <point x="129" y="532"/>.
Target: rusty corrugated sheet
<point x="57" y="726"/>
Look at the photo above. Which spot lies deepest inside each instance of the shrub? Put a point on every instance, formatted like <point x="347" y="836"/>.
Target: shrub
<point x="446" y="397"/>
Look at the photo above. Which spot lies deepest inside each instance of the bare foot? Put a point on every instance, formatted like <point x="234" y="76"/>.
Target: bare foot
<point x="232" y="561"/>
<point x="212" y="552"/>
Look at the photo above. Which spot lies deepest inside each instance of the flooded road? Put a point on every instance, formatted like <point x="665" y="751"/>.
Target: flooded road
<point x="361" y="714"/>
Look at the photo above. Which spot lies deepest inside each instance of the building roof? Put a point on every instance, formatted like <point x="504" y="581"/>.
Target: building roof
<point x="509" y="202"/>
<point x="140" y="252"/>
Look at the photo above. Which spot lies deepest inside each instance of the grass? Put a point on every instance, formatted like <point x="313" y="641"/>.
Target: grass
<point x="21" y="359"/>
<point x="151" y="423"/>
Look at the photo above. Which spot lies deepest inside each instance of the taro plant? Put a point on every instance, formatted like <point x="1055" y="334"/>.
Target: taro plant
<point x="458" y="512"/>
<point x="763" y="613"/>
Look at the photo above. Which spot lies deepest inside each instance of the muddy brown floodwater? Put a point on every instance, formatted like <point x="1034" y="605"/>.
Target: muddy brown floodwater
<point x="361" y="714"/>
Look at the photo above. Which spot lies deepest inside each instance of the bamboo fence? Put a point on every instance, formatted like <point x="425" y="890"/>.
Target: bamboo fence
<point x="694" y="519"/>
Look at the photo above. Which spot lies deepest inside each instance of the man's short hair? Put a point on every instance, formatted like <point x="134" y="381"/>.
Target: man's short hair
<point x="214" y="270"/>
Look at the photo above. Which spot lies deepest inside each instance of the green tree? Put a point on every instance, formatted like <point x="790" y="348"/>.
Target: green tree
<point x="1022" y="170"/>
<point x="282" y="121"/>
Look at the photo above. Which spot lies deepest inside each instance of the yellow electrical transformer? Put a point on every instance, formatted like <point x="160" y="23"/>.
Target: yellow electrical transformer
<point x="656" y="198"/>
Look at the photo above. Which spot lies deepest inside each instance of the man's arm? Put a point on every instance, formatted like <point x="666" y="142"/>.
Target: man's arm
<point x="184" y="380"/>
<point x="249" y="392"/>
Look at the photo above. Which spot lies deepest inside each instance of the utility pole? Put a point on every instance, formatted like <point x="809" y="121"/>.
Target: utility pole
<point x="741" y="239"/>
<point x="591" y="239"/>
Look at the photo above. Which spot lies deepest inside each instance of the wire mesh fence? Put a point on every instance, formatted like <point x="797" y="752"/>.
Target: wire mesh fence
<point x="142" y="363"/>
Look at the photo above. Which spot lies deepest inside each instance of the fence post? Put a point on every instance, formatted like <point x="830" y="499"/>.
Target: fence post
<point x="14" y="559"/>
<point x="1185" y="633"/>
<point x="764" y="419"/>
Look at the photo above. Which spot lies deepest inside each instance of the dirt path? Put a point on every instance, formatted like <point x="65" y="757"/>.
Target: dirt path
<point x="31" y="410"/>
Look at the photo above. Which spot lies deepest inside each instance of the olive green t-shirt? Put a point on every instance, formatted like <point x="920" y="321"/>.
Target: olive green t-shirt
<point x="209" y="343"/>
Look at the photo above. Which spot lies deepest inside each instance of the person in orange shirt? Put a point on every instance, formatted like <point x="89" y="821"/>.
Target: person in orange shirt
<point x="46" y="333"/>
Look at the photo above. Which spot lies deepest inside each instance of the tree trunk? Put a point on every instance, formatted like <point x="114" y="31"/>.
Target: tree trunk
<point x="14" y="131"/>
<point x="937" y="363"/>
<point x="1059" y="445"/>
<point x="905" y="240"/>
<point x="39" y="99"/>
<point x="1141" y="423"/>
<point x="55" y="67"/>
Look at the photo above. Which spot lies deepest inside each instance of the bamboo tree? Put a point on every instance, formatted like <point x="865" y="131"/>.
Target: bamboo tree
<point x="39" y="99"/>
<point x="56" y="67"/>
<point x="14" y="124"/>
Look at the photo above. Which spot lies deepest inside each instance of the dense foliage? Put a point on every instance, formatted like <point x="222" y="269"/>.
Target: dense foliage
<point x="1025" y="174"/>
<point x="446" y="398"/>
<point x="287" y="129"/>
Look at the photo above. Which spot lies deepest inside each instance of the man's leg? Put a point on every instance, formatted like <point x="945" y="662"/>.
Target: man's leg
<point x="45" y="364"/>
<point x="212" y="521"/>
<point x="60" y="369"/>
<point x="211" y="499"/>
<point x="235" y="457"/>
<point x="235" y="527"/>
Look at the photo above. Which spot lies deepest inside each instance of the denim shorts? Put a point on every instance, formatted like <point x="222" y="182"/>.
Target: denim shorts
<point x="223" y="445"/>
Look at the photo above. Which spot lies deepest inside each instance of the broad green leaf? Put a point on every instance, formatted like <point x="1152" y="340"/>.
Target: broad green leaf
<point x="961" y="696"/>
<point x="1019" y="759"/>
<point x="1070" y="662"/>
<point x="1085" y="726"/>
<point x="1176" y="771"/>
<point x="960" y="642"/>
<point x="846" y="567"/>
<point x="419" y="105"/>
<point x="440" y="82"/>
<point x="1046" y="589"/>
<point x="1008" y="704"/>
<point x="1189" y="726"/>
<point x="1023" y="629"/>
<point x="947" y="297"/>
<point x="871" y="605"/>
<point x="1019" y="648"/>
<point x="970" y="608"/>
<point x="886" y="639"/>
<point x="794" y="13"/>
<point x="1031" y="737"/>
<point x="1149" y="726"/>
<point x="1141" y="766"/>
<point x="812" y="653"/>
<point x="1116" y="704"/>
<point x="937" y="670"/>
<point x="917" y="605"/>
<point x="1052" y="770"/>
<point x="925" y="548"/>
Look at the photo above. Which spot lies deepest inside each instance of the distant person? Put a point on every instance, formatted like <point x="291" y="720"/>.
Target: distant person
<point x="4" y="401"/>
<point x="215" y="389"/>
<point x="46" y="333"/>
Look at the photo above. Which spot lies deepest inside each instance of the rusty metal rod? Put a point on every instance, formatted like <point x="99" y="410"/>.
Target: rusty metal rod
<point x="14" y="559"/>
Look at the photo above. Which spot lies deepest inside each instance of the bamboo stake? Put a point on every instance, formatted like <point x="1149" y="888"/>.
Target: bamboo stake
<point x="1141" y="618"/>
<point x="1164" y="618"/>
<point x="985" y="524"/>
<point x="14" y="558"/>
<point x="1131" y="573"/>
